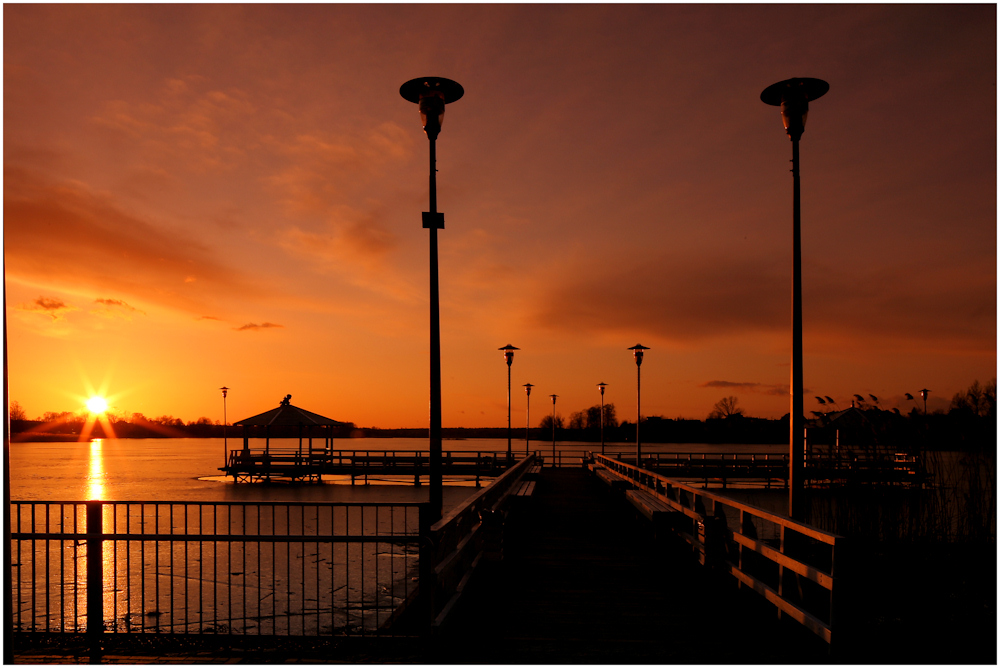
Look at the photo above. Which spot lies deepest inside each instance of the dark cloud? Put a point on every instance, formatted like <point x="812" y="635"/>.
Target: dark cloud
<point x="706" y="295"/>
<point x="755" y="388"/>
<point x="682" y="300"/>
<point x="64" y="232"/>
<point x="50" y="306"/>
<point x="118" y="303"/>
<point x="252" y="326"/>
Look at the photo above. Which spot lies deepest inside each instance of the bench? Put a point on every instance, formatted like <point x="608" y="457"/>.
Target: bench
<point x="656" y="511"/>
<point x="524" y="489"/>
<point x="611" y="480"/>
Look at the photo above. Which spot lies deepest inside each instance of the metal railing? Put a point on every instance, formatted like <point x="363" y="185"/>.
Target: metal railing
<point x="254" y="568"/>
<point x="796" y="567"/>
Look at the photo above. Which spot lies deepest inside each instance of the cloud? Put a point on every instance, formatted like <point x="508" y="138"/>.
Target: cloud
<point x="65" y="233"/>
<point x="251" y="326"/>
<point x="680" y="299"/>
<point x="184" y="120"/>
<point x="697" y="295"/>
<point x="51" y="306"/>
<point x="755" y="388"/>
<point x="324" y="167"/>
<point x="116" y="307"/>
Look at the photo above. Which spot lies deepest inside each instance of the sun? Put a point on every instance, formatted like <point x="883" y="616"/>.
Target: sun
<point x="97" y="405"/>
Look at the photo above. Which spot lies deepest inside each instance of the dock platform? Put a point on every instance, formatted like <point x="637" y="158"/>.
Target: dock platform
<point x="583" y="581"/>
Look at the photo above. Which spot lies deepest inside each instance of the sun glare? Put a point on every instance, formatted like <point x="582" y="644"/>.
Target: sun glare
<point x="97" y="405"/>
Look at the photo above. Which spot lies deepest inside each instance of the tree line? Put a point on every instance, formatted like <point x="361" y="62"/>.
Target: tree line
<point x="969" y="423"/>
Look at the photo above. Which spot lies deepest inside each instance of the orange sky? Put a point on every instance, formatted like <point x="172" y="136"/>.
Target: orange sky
<point x="198" y="196"/>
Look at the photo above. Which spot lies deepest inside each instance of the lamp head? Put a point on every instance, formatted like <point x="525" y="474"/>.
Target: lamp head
<point x="637" y="352"/>
<point x="602" y="386"/>
<point x="430" y="94"/>
<point x="225" y="390"/>
<point x="793" y="96"/>
<point x="508" y="353"/>
<point x="553" y="398"/>
<point x="527" y="388"/>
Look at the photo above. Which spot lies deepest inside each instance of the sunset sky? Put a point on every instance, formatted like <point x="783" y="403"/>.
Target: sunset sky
<point x="208" y="195"/>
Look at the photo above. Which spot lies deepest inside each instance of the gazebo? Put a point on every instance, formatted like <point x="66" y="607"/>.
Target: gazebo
<point x="289" y="421"/>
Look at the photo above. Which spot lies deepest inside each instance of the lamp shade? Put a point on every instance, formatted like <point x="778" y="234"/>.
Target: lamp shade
<point x="793" y="96"/>
<point x="431" y="94"/>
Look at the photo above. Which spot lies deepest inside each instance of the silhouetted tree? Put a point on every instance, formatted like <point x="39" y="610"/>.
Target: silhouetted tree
<point x="978" y="400"/>
<point x="546" y="422"/>
<point x="724" y="408"/>
<point x="15" y="412"/>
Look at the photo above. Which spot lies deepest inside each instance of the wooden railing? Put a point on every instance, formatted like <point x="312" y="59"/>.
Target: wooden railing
<point x="797" y="568"/>
<point x="458" y="543"/>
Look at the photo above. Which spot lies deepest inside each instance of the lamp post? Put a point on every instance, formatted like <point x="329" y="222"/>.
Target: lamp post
<point x="602" y="386"/>
<point x="923" y="395"/>
<point x="508" y="355"/>
<point x="637" y="353"/>
<point x="527" y="417"/>
<point x="225" y="423"/>
<point x="554" y="397"/>
<point x="793" y="96"/>
<point x="431" y="94"/>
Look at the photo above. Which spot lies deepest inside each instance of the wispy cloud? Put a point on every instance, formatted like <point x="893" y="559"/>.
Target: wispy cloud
<point x="253" y="327"/>
<point x="60" y="233"/>
<point x="755" y="388"/>
<point x="50" y="306"/>
<point x="116" y="307"/>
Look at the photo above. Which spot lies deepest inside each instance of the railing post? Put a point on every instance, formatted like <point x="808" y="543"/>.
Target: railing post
<point x="95" y="578"/>
<point x="428" y="580"/>
<point x="844" y="611"/>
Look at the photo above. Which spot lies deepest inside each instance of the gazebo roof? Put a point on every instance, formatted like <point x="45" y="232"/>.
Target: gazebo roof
<point x="288" y="415"/>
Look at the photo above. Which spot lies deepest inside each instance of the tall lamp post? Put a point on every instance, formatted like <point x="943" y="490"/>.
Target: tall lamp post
<point x="602" y="386"/>
<point x="508" y="355"/>
<point x="637" y="353"/>
<point x="793" y="96"/>
<point x="527" y="417"/>
<point x="431" y="94"/>
<point x="554" y="397"/>
<point x="225" y="423"/>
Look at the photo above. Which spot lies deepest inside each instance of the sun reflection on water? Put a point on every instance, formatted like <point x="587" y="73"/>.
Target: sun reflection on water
<point x="95" y="474"/>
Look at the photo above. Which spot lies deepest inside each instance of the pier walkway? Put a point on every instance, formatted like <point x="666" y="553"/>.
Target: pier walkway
<point x="583" y="581"/>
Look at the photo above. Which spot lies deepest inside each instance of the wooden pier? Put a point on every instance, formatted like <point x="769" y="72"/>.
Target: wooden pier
<point x="290" y="465"/>
<point x="583" y="581"/>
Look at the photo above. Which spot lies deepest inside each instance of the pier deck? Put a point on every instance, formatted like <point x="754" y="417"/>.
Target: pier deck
<point x="582" y="581"/>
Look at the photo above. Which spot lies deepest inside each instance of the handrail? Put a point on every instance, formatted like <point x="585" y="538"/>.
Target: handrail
<point x="804" y="591"/>
<point x="457" y="543"/>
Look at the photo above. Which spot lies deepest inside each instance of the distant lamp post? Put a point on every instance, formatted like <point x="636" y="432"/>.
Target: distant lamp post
<point x="923" y="395"/>
<point x="554" y="397"/>
<point x="793" y="96"/>
<point x="527" y="417"/>
<point x="508" y="355"/>
<point x="602" y="386"/>
<point x="637" y="353"/>
<point x="431" y="94"/>
<point x="225" y="423"/>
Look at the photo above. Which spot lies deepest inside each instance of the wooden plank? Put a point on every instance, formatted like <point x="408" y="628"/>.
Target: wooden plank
<point x="824" y="580"/>
<point x="611" y="480"/>
<point x="798" y="614"/>
<point x="526" y="488"/>
<point x="647" y="504"/>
